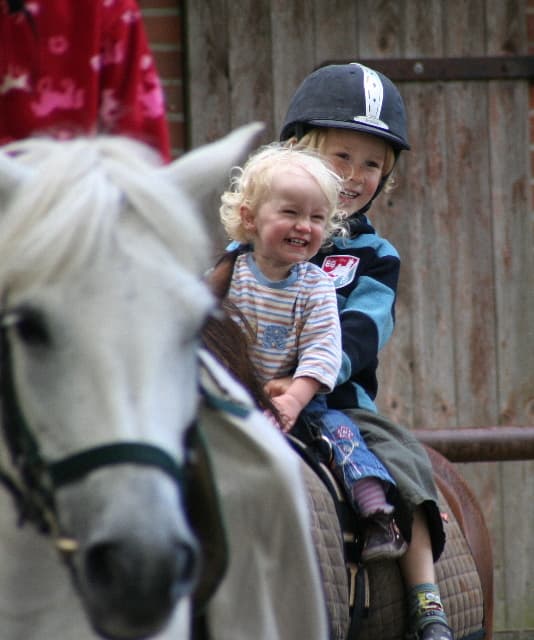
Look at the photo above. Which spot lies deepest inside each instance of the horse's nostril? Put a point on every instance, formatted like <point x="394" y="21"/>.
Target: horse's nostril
<point x="103" y="564"/>
<point x="113" y="566"/>
<point x="135" y="584"/>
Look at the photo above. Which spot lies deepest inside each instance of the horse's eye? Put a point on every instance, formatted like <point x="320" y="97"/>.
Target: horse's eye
<point x="31" y="328"/>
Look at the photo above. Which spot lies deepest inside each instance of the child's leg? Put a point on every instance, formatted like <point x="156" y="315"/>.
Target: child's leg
<point x="409" y="464"/>
<point x="370" y="497"/>
<point x="364" y="477"/>
<point x="427" y="618"/>
<point x="383" y="540"/>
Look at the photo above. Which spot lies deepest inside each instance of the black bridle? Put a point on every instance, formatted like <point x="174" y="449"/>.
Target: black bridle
<point x="34" y="480"/>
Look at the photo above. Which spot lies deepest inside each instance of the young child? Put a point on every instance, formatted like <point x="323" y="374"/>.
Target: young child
<point x="355" y="118"/>
<point x="283" y="206"/>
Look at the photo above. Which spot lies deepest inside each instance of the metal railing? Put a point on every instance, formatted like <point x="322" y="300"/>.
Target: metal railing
<point x="481" y="444"/>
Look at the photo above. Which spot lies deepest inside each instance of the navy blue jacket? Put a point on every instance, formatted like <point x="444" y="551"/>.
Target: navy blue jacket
<point x="365" y="268"/>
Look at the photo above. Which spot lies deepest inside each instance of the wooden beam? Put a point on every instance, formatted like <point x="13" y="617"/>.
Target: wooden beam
<point x="450" y="69"/>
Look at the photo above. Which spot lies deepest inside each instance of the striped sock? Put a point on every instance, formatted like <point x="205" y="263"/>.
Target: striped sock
<point x="370" y="497"/>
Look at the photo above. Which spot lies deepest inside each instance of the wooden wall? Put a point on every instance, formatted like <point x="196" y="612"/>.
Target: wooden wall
<point x="461" y="215"/>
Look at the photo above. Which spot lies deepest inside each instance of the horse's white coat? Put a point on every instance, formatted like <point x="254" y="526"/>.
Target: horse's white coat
<point x="269" y="591"/>
<point x="110" y="253"/>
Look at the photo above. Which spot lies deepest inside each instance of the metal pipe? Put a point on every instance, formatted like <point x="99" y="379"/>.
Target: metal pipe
<point x="481" y="444"/>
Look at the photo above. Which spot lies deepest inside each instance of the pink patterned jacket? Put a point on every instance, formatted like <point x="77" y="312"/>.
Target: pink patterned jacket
<point x="79" y="67"/>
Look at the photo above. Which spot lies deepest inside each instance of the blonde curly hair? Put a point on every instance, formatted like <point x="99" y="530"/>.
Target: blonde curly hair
<point x="250" y="185"/>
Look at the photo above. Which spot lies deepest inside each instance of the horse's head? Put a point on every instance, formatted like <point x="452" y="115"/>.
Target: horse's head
<point x="102" y="301"/>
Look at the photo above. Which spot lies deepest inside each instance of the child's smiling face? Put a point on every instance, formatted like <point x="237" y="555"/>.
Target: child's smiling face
<point x="359" y="158"/>
<point x="289" y="226"/>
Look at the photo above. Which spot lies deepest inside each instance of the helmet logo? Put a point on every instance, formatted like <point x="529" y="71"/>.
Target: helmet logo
<point x="374" y="96"/>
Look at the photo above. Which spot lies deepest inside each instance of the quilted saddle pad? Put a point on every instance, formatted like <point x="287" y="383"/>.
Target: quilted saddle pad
<point x="456" y="572"/>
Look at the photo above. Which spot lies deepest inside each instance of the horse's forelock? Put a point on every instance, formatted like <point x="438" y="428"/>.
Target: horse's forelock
<point x="76" y="201"/>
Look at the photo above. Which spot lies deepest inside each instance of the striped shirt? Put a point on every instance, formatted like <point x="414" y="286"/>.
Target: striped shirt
<point x="295" y="321"/>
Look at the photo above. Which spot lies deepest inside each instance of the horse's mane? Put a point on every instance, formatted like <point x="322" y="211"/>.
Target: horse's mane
<point x="84" y="197"/>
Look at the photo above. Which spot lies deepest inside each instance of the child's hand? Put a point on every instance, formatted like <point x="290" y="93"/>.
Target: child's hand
<point x="278" y="386"/>
<point x="288" y="408"/>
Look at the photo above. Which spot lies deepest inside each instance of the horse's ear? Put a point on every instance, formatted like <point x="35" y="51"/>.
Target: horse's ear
<point x="12" y="175"/>
<point x="205" y="172"/>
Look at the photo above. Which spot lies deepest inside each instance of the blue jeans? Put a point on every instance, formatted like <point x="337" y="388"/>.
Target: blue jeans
<point x="352" y="459"/>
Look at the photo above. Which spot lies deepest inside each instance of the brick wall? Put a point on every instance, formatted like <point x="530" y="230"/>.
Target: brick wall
<point x="163" y="23"/>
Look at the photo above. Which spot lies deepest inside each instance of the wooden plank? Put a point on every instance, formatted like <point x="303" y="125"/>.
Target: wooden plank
<point x="430" y="249"/>
<point x="513" y="239"/>
<point x="208" y="104"/>
<point x="471" y="262"/>
<point x="250" y="64"/>
<point x="380" y="36"/>
<point x="381" y="28"/>
<point x="292" y="33"/>
<point x="419" y="359"/>
<point x="518" y="519"/>
<point x="471" y="265"/>
<point x="248" y="70"/>
<point x="230" y="66"/>
<point x="484" y="480"/>
<point x="336" y="29"/>
<point x="208" y="88"/>
<point x="430" y="242"/>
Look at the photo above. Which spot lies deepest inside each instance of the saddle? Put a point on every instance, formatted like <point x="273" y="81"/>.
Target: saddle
<point x="366" y="602"/>
<point x="345" y="578"/>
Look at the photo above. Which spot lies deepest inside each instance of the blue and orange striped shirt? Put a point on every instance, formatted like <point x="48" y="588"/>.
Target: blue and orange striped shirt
<point x="295" y="321"/>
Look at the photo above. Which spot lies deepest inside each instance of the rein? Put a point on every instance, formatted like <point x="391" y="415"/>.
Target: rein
<point x="33" y="485"/>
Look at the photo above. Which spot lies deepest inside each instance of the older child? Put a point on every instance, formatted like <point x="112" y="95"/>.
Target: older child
<point x="355" y="117"/>
<point x="282" y="206"/>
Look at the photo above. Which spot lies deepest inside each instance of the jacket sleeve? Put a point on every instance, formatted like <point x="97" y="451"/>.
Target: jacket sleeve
<point x="132" y="99"/>
<point x="368" y="315"/>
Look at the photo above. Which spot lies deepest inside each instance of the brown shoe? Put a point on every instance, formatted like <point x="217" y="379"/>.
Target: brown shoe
<point x="383" y="540"/>
<point x="436" y="631"/>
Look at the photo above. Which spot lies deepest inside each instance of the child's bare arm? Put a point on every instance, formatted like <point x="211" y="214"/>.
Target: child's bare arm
<point x="278" y="386"/>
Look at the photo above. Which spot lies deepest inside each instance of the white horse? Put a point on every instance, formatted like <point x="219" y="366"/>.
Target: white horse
<point x="101" y="298"/>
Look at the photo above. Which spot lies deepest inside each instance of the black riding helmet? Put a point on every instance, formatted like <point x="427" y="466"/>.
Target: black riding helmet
<point x="349" y="96"/>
